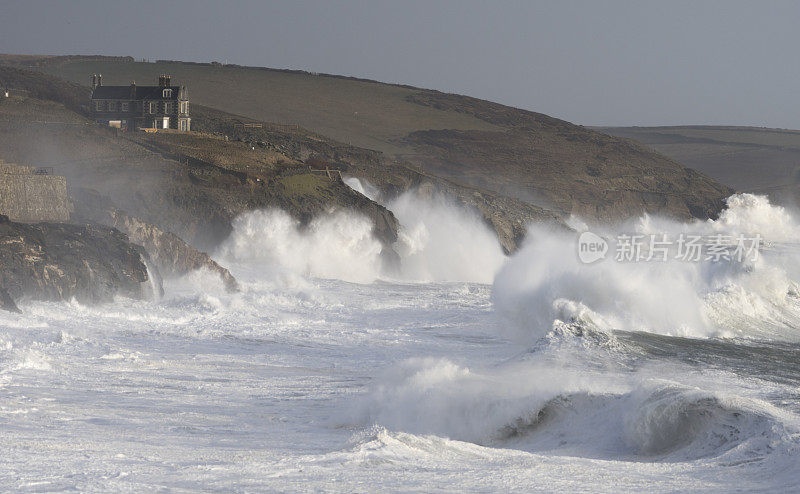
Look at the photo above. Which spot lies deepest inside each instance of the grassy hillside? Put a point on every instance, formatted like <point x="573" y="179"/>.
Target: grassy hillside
<point x="364" y="114"/>
<point x="515" y="153"/>
<point x="749" y="159"/>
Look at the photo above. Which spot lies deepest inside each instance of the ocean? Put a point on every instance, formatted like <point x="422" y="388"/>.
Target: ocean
<point x="465" y="371"/>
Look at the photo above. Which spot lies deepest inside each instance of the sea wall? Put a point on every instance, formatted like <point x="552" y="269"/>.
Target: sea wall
<point x="27" y="195"/>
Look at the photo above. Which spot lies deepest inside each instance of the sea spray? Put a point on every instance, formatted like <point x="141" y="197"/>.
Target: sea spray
<point x="546" y="283"/>
<point x="443" y="241"/>
<point x="438" y="241"/>
<point x="363" y="187"/>
<point x="336" y="245"/>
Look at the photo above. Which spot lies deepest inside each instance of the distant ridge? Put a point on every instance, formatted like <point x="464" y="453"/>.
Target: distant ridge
<point x="749" y="159"/>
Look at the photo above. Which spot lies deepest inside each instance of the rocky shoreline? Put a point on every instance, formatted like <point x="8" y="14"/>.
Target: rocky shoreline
<point x="164" y="198"/>
<point x="61" y="261"/>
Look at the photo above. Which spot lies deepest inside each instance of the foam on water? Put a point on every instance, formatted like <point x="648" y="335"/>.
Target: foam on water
<point x="546" y="283"/>
<point x="541" y="407"/>
<point x="299" y="382"/>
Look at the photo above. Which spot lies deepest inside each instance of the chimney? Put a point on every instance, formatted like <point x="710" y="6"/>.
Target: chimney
<point x="166" y="80"/>
<point x="133" y="90"/>
<point x="94" y="81"/>
<point x="162" y="81"/>
<point x="99" y="79"/>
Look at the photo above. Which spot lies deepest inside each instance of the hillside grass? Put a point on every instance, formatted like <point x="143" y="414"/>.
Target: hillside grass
<point x="365" y="114"/>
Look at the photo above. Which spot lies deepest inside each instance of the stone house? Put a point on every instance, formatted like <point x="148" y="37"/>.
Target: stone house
<point x="151" y="107"/>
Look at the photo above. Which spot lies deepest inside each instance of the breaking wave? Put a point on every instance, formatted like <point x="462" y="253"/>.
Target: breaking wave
<point x="580" y="390"/>
<point x="442" y="241"/>
<point x="337" y="245"/>
<point x="438" y="241"/>
<point x="546" y="284"/>
<point x="554" y="410"/>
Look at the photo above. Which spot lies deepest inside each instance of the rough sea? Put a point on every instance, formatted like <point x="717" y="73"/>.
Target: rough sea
<point x="466" y="371"/>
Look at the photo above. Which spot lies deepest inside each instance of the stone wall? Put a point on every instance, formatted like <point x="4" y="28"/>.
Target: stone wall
<point x="29" y="197"/>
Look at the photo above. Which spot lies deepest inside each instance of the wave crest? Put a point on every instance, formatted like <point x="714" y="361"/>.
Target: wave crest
<point x="546" y="283"/>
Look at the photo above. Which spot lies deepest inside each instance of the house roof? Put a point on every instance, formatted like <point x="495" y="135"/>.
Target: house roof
<point x="142" y="92"/>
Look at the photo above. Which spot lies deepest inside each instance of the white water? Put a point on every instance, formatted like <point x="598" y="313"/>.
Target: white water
<point x="338" y="245"/>
<point x="546" y="284"/>
<point x="301" y="383"/>
<point x="438" y="241"/>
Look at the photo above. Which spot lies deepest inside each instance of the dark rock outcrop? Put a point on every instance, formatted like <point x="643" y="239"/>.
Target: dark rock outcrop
<point x="58" y="261"/>
<point x="170" y="254"/>
<point x="6" y="302"/>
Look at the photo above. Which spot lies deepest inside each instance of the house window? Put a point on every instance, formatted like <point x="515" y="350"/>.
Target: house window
<point x="98" y="106"/>
<point x="151" y="108"/>
<point x="167" y="93"/>
<point x="184" y="107"/>
<point x="125" y="106"/>
<point x="112" y="106"/>
<point x="167" y="108"/>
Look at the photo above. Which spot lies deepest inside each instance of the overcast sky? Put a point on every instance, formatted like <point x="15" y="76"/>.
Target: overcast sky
<point x="593" y="63"/>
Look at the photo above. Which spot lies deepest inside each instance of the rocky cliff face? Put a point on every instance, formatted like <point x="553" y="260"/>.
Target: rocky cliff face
<point x="56" y="261"/>
<point x="507" y="216"/>
<point x="170" y="254"/>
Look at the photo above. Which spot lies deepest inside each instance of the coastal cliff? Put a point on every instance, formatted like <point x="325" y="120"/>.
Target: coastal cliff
<point x="514" y="167"/>
<point x="59" y="261"/>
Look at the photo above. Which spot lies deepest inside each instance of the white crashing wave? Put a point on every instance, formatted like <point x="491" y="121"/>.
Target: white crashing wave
<point x="441" y="241"/>
<point x="363" y="187"/>
<point x="438" y="241"/>
<point x="546" y="284"/>
<point x="560" y="411"/>
<point x="337" y="245"/>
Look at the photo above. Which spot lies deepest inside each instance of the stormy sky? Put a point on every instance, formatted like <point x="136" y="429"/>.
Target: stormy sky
<point x="594" y="62"/>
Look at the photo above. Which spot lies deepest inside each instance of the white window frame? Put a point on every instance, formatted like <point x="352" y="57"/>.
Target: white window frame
<point x="166" y="93"/>
<point x="125" y="106"/>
